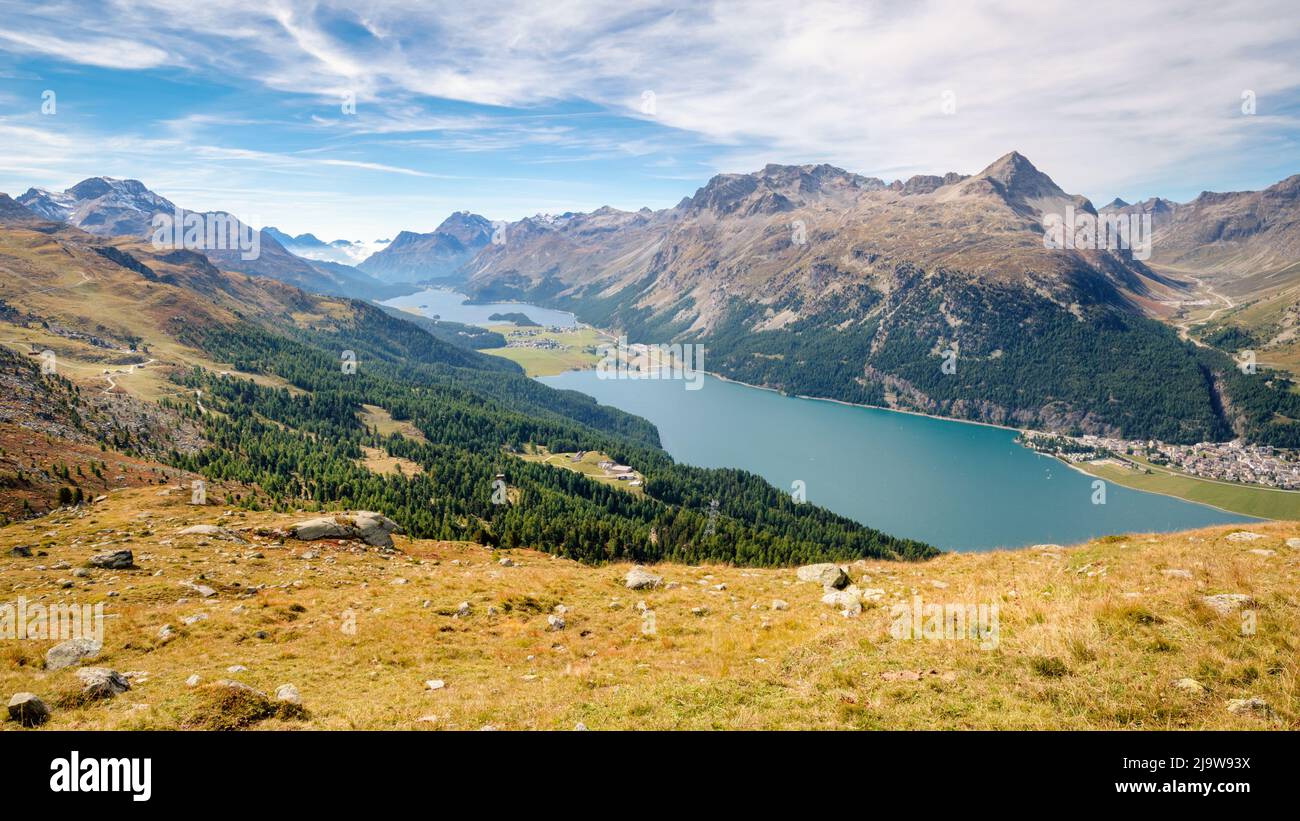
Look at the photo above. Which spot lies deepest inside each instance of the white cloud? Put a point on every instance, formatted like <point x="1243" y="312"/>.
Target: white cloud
<point x="1108" y="96"/>
<point x="103" y="52"/>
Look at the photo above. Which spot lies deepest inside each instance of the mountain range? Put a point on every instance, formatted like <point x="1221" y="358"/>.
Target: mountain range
<point x="109" y="207"/>
<point x="815" y="280"/>
<point x="818" y="281"/>
<point x="439" y="254"/>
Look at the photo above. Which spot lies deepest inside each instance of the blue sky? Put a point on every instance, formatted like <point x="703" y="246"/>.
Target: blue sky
<point x="510" y="109"/>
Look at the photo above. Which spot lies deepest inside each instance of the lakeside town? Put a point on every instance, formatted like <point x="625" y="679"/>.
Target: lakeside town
<point x="1233" y="461"/>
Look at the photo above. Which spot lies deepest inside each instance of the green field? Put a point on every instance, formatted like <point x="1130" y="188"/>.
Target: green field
<point x="578" y="350"/>
<point x="1266" y="503"/>
<point x="589" y="466"/>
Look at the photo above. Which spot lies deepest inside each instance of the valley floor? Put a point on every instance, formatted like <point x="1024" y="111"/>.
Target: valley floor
<point x="1102" y="635"/>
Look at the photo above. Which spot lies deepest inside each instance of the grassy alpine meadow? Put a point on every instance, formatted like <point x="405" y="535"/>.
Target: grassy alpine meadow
<point x="1251" y="500"/>
<point x="1144" y="631"/>
<point x="577" y="348"/>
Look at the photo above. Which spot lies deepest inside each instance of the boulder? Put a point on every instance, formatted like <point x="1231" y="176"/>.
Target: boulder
<point x="372" y="528"/>
<point x="71" y="652"/>
<point x="1226" y="603"/>
<point x="288" y="693"/>
<point x="326" y="527"/>
<point x="101" y="682"/>
<point x="22" y="551"/>
<point x="848" y="601"/>
<point x="117" y="560"/>
<point x="638" y="578"/>
<point x="828" y="575"/>
<point x="376" y="530"/>
<point x="28" y="710"/>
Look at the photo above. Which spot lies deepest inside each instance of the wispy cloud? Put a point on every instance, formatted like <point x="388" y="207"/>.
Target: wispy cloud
<point x="1112" y="98"/>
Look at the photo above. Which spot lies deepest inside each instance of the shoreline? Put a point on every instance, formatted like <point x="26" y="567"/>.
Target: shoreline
<point x="1017" y="430"/>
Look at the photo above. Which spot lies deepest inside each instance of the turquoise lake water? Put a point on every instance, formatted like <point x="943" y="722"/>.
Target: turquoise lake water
<point x="957" y="486"/>
<point x="450" y="305"/>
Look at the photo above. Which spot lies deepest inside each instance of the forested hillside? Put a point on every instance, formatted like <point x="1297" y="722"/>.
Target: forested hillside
<point x="304" y="449"/>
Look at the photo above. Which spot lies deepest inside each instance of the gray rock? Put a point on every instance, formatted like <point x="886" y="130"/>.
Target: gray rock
<point x="71" y="652"/>
<point x="1244" y="536"/>
<point x="1190" y="685"/>
<point x="202" y="589"/>
<point x="28" y="710"/>
<point x="101" y="682"/>
<point x="325" y="527"/>
<point x="462" y="610"/>
<point x="828" y="575"/>
<point x="638" y="578"/>
<point x="81" y="573"/>
<point x="117" y="560"/>
<point x="554" y="622"/>
<point x="288" y="693"/>
<point x="1250" y="706"/>
<point x="1177" y="573"/>
<point x="372" y="528"/>
<point x="847" y="601"/>
<point x="1225" y="603"/>
<point x="375" y="529"/>
<point x="212" y="531"/>
<point x="780" y="604"/>
<point x="166" y="633"/>
<point x="193" y="681"/>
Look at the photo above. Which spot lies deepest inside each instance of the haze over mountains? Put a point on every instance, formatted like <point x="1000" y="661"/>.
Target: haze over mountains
<point x="439" y="254"/>
<point x="110" y="207"/>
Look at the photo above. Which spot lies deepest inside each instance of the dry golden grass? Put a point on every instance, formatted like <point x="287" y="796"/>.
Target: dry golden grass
<point x="373" y="416"/>
<point x="1089" y="637"/>
<point x="378" y="460"/>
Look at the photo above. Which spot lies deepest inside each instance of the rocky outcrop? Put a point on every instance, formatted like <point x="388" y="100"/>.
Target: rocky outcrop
<point x="372" y="528"/>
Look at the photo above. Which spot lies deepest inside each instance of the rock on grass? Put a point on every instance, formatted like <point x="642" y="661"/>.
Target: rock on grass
<point x="28" y="710"/>
<point x="101" y="682"/>
<point x="638" y="578"/>
<point x="71" y="652"/>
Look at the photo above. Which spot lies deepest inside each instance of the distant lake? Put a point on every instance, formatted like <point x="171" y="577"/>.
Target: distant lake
<point x="957" y="486"/>
<point x="450" y="305"/>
